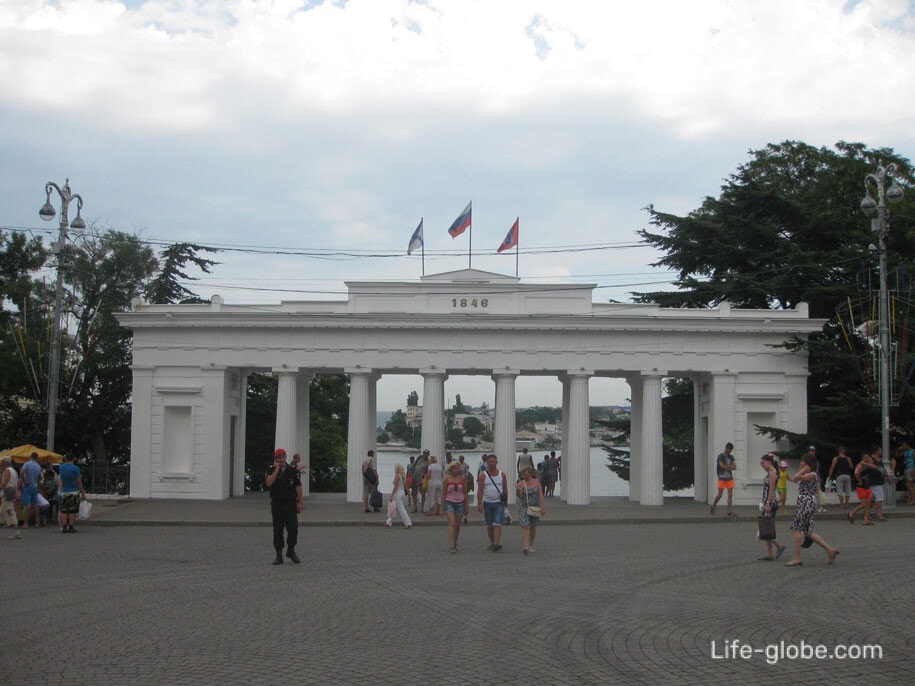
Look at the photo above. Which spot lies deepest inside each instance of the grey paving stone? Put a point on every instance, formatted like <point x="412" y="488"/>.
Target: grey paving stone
<point x="596" y="604"/>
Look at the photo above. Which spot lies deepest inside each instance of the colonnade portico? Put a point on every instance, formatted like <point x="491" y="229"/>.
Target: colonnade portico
<point x="191" y="362"/>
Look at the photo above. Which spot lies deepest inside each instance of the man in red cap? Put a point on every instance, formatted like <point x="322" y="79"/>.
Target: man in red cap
<point x="285" y="486"/>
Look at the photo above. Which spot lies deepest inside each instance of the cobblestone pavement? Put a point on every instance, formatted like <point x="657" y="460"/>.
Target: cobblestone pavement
<point x="596" y="604"/>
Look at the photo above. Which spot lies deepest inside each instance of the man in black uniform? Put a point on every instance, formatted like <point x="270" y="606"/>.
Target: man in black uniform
<point x="285" y="486"/>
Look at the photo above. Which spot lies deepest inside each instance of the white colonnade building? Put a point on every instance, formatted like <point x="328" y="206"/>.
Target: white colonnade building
<point x="190" y="367"/>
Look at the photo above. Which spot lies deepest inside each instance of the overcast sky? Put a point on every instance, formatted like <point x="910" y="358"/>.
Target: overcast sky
<point x="317" y="134"/>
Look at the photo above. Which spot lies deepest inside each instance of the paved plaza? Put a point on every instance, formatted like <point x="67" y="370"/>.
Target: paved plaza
<point x="598" y="603"/>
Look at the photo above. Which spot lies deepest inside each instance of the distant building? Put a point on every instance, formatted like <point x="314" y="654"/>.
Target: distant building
<point x="414" y="416"/>
<point x="525" y="439"/>
<point x="487" y="422"/>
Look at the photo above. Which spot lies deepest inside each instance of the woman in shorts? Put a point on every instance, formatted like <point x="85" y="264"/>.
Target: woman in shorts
<point x="863" y="490"/>
<point x="454" y="501"/>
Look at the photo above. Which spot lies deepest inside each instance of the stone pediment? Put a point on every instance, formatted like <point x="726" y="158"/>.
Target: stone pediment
<point x="474" y="275"/>
<point x="468" y="292"/>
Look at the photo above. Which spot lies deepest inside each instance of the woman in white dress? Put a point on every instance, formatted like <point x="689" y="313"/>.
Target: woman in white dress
<point x="434" y="491"/>
<point x="397" y="494"/>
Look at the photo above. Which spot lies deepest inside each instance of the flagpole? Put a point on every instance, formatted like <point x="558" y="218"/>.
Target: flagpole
<point x="423" y="249"/>
<point x="517" y="245"/>
<point x="470" y="239"/>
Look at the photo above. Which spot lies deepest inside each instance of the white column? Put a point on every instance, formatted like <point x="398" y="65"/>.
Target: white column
<point x="635" y="438"/>
<point x="434" y="412"/>
<point x="576" y="463"/>
<point x="504" y="429"/>
<point x="722" y="415"/>
<point x="700" y="443"/>
<point x="141" y="430"/>
<point x="563" y="491"/>
<point x="240" y="433"/>
<point x="651" y="476"/>
<point x="303" y="425"/>
<point x="286" y="413"/>
<point x="357" y="441"/>
<point x="372" y="429"/>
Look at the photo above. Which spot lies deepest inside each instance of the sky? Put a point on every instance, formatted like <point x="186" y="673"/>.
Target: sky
<point x="308" y="139"/>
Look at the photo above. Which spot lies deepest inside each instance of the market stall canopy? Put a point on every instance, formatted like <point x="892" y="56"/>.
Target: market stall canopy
<point x="23" y="454"/>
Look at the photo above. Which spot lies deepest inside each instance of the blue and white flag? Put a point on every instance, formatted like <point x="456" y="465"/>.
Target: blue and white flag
<point x="416" y="240"/>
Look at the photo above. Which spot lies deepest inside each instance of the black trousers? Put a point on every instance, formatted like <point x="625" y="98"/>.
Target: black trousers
<point x="284" y="517"/>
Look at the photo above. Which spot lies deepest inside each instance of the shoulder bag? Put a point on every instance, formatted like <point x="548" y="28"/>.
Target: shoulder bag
<point x="503" y="496"/>
<point x="532" y="510"/>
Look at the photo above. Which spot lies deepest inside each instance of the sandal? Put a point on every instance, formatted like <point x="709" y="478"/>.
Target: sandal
<point x="780" y="551"/>
<point x="794" y="563"/>
<point x="712" y="509"/>
<point x="454" y="551"/>
<point x="851" y="518"/>
<point x="832" y="556"/>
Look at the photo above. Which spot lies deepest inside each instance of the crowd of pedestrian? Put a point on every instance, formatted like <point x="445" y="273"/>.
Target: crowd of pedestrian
<point x="30" y="497"/>
<point x="444" y="490"/>
<point x="868" y="473"/>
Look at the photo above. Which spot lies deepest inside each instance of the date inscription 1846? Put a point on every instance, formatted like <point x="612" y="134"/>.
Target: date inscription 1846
<point x="464" y="303"/>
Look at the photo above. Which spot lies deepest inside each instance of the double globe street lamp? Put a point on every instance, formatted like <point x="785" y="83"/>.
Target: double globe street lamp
<point x="47" y="213"/>
<point x="876" y="209"/>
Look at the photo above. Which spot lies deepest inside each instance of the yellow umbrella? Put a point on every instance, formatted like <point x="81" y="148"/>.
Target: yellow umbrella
<point x="23" y="454"/>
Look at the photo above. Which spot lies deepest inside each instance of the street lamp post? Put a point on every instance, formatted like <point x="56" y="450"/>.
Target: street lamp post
<point x="47" y="213"/>
<point x="879" y="228"/>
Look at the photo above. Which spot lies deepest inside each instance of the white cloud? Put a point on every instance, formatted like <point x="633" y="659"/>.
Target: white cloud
<point x="336" y="125"/>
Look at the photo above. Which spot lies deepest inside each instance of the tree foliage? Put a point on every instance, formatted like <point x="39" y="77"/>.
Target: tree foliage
<point x="166" y="287"/>
<point x="102" y="271"/>
<point x="679" y="439"/>
<point x="787" y="228"/>
<point x="328" y="418"/>
<point x="473" y="426"/>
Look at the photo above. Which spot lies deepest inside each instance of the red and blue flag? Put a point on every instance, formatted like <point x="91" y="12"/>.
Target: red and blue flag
<point x="511" y="238"/>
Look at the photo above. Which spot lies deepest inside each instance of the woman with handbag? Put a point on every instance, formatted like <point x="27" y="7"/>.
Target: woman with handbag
<point x="454" y="501"/>
<point x="802" y="526"/>
<point x="769" y="507"/>
<point x="530" y="506"/>
<point x="397" y="494"/>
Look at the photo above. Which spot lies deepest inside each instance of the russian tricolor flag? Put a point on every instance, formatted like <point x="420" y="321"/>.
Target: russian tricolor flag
<point x="462" y="222"/>
<point x="511" y="238"/>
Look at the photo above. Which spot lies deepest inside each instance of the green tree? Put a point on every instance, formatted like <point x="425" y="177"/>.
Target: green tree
<point x="103" y="272"/>
<point x="24" y="339"/>
<point x="679" y="439"/>
<point x="397" y="426"/>
<point x="527" y="417"/>
<point x="328" y="417"/>
<point x="166" y="287"/>
<point x="786" y="229"/>
<point x="260" y="428"/>
<point x="473" y="426"/>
